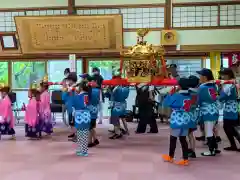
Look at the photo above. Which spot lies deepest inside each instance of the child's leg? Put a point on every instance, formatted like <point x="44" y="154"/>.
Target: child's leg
<point x="184" y="144"/>
<point x="83" y="142"/>
<point x="192" y="145"/>
<point x="90" y="137"/>
<point x="125" y="125"/>
<point x="172" y="148"/>
<point x="93" y="141"/>
<point x="117" y="130"/>
<point x="192" y="142"/>
<point x="12" y="131"/>
<point x="216" y="133"/>
<point x="202" y="137"/>
<point x="93" y="132"/>
<point x="212" y="144"/>
<point x="71" y="123"/>
<point x="78" y="150"/>
<point x="100" y="111"/>
<point x="94" y="135"/>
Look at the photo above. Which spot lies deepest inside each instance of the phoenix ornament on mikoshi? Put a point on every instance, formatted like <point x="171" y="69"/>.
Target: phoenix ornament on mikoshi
<point x="142" y="63"/>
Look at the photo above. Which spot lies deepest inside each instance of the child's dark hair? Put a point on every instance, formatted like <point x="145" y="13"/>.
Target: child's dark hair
<point x="85" y="87"/>
<point x="72" y="76"/>
<point x="193" y="81"/>
<point x="44" y="85"/>
<point x="35" y="93"/>
<point x="227" y="71"/>
<point x="5" y="89"/>
<point x="184" y="83"/>
<point x="67" y="71"/>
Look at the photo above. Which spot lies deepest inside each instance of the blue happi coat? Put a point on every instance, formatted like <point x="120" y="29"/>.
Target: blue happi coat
<point x="180" y="103"/>
<point x="228" y="96"/>
<point x="82" y="114"/>
<point x="194" y="108"/>
<point x="67" y="97"/>
<point x="118" y="101"/>
<point x="208" y="102"/>
<point x="94" y="100"/>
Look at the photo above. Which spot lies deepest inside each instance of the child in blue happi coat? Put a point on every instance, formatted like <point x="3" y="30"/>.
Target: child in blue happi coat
<point x="125" y="94"/>
<point x="180" y="102"/>
<point x="82" y="118"/>
<point x="94" y="100"/>
<point x="118" y="109"/>
<point x="194" y="83"/>
<point x="209" y="110"/>
<point x="67" y="97"/>
<point x="228" y="96"/>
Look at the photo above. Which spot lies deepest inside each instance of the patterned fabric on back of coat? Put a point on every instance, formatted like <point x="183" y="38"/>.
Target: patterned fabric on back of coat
<point x="82" y="119"/>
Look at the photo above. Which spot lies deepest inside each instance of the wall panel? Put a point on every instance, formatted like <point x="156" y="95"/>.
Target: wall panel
<point x="115" y="2"/>
<point x="153" y="37"/>
<point x="32" y="3"/>
<point x="191" y="1"/>
<point x="190" y="37"/>
<point x="7" y="22"/>
<point x="142" y="17"/>
<point x="198" y="37"/>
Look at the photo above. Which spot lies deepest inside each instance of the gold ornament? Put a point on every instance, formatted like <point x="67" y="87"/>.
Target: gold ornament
<point x="45" y="79"/>
<point x="34" y="85"/>
<point x="143" y="60"/>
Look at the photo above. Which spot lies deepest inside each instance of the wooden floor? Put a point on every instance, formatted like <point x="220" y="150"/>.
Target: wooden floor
<point x="134" y="157"/>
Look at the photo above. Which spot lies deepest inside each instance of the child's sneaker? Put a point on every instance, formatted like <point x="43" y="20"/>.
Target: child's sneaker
<point x="201" y="138"/>
<point x="191" y="154"/>
<point x="81" y="154"/>
<point x="96" y="142"/>
<point x="182" y="162"/>
<point x="218" y="139"/>
<point x="167" y="158"/>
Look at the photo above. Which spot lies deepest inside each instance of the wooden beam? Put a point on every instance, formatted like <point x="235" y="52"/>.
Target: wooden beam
<point x="168" y="14"/>
<point x="71" y="7"/>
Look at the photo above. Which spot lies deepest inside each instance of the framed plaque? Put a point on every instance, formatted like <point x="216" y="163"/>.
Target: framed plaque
<point x="70" y="34"/>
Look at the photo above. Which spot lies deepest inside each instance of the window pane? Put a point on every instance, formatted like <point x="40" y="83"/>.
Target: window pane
<point x="79" y="67"/>
<point x="187" y="67"/>
<point x="56" y="71"/>
<point x="25" y="73"/>
<point x="22" y="97"/>
<point x="107" y="68"/>
<point x="4" y="73"/>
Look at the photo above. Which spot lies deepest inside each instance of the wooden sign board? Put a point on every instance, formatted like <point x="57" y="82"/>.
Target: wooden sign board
<point x="70" y="34"/>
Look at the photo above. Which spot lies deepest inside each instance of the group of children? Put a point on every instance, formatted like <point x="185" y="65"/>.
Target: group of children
<point x="197" y="101"/>
<point x="37" y="116"/>
<point x="82" y="107"/>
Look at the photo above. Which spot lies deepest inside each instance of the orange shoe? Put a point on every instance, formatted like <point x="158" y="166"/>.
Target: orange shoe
<point x="167" y="158"/>
<point x="182" y="162"/>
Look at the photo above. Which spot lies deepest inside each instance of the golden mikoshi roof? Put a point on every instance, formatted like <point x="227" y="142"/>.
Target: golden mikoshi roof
<point x="143" y="50"/>
<point x="45" y="79"/>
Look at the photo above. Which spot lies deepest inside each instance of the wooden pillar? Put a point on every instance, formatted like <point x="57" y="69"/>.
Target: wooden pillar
<point x="84" y="65"/>
<point x="168" y="14"/>
<point x="71" y="7"/>
<point x="215" y="63"/>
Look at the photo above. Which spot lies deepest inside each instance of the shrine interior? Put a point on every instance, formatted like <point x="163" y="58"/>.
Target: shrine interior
<point x="41" y="38"/>
<point x="202" y="28"/>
